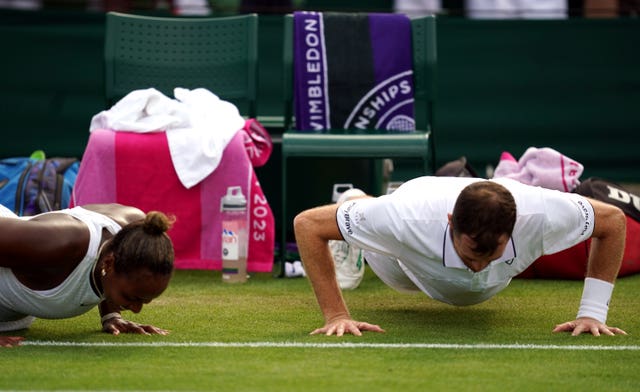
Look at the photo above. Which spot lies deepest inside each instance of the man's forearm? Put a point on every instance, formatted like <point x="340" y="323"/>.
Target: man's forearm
<point x="605" y="258"/>
<point x="313" y="230"/>
<point x="607" y="244"/>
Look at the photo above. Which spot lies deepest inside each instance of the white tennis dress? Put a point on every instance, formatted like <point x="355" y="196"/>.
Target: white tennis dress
<point x="19" y="304"/>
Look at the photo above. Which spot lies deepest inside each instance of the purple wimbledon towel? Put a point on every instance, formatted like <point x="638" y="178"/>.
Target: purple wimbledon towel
<point x="353" y="71"/>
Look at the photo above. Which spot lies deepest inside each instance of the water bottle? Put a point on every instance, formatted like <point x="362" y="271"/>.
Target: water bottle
<point x="338" y="190"/>
<point x="233" y="208"/>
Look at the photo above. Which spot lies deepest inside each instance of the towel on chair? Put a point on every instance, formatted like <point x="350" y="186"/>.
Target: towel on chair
<point x="199" y="126"/>
<point x="353" y="71"/>
<point x="136" y="169"/>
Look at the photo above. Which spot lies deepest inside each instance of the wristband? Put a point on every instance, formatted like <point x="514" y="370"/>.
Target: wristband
<point x="595" y="299"/>
<point x="110" y="316"/>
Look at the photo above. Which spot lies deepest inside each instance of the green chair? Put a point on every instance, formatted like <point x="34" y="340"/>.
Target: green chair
<point x="216" y="53"/>
<point x="340" y="144"/>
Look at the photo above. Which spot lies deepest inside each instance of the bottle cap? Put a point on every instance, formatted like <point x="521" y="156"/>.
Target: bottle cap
<point x="233" y="200"/>
<point x="339" y="189"/>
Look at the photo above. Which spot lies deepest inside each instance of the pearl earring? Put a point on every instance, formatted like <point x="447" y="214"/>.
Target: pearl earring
<point x="103" y="272"/>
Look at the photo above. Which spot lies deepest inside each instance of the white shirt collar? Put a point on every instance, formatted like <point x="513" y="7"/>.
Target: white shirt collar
<point x="451" y="259"/>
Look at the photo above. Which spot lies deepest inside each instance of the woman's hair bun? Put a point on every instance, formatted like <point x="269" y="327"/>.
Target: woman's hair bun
<point x="156" y="223"/>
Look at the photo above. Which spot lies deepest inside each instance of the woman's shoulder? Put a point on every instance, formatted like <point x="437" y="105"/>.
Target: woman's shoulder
<point x="121" y="214"/>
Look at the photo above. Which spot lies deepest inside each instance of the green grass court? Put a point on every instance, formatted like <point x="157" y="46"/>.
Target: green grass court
<point x="254" y="337"/>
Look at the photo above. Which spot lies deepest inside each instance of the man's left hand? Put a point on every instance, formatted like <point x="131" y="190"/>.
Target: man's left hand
<point x="587" y="325"/>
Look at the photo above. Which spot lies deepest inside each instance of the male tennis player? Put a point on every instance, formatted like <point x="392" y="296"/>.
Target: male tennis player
<point x="461" y="241"/>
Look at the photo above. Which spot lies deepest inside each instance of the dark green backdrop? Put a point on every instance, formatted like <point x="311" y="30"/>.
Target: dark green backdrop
<point x="573" y="85"/>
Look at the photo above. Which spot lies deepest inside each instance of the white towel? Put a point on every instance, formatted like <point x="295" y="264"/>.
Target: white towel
<point x="198" y="124"/>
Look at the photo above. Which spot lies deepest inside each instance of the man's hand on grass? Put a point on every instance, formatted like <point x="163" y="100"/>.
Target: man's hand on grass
<point x="588" y="325"/>
<point x="341" y="326"/>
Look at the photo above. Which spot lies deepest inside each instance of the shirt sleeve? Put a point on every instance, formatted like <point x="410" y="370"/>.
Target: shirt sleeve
<point x="569" y="220"/>
<point x="367" y="224"/>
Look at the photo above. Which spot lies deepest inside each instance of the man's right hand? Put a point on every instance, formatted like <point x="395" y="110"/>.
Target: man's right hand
<point x="346" y="325"/>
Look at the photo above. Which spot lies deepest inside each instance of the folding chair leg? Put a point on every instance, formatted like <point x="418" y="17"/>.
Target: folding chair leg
<point x="283" y="222"/>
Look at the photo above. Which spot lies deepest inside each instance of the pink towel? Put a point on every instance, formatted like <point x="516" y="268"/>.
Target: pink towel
<point x="136" y="169"/>
<point x="543" y="167"/>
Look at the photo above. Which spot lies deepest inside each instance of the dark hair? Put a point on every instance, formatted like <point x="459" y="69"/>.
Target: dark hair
<point x="144" y="244"/>
<point x="484" y="211"/>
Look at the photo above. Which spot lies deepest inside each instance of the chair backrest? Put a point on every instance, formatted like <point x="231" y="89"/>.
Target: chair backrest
<point x="423" y="31"/>
<point x="217" y="53"/>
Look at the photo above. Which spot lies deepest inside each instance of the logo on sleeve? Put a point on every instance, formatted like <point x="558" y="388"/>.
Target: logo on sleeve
<point x="586" y="216"/>
<point x="347" y="219"/>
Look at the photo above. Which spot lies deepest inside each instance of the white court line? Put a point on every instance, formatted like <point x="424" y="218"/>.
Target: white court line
<point x="480" y="346"/>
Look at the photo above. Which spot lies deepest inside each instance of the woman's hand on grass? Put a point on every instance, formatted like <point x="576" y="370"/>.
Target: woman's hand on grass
<point x="10" y="341"/>
<point x="117" y="325"/>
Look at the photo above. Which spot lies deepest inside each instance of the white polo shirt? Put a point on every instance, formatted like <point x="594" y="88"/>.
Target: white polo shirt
<point x="409" y="229"/>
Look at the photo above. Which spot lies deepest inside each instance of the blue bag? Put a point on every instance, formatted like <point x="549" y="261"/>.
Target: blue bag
<point x="32" y="185"/>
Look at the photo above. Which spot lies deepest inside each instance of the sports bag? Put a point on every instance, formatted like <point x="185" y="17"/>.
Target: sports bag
<point x="612" y="193"/>
<point x="572" y="263"/>
<point x="32" y="185"/>
<point x="458" y="168"/>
